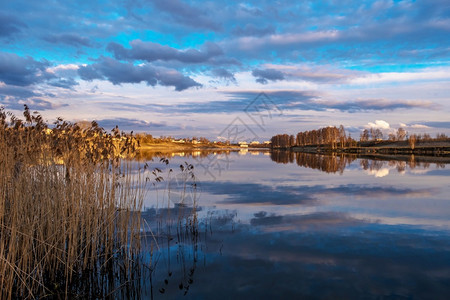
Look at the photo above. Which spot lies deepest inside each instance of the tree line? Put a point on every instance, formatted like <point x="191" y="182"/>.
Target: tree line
<point x="336" y="137"/>
<point x="332" y="136"/>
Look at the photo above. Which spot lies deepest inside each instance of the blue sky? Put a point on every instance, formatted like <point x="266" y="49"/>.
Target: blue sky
<point x="193" y="68"/>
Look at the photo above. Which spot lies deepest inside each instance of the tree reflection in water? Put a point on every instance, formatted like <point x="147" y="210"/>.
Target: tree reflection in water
<point x="337" y="162"/>
<point x="330" y="163"/>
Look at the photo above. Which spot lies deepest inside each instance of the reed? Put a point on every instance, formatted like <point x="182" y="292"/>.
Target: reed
<point x="69" y="210"/>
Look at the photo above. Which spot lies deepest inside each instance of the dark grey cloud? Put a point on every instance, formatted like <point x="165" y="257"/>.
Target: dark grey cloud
<point x="187" y="14"/>
<point x="22" y="71"/>
<point x="223" y="74"/>
<point x="10" y="25"/>
<point x="25" y="71"/>
<point x="117" y="73"/>
<point x="149" y="51"/>
<point x="266" y="75"/>
<point x="17" y="92"/>
<point x="65" y="83"/>
<point x="293" y="100"/>
<point x="71" y="39"/>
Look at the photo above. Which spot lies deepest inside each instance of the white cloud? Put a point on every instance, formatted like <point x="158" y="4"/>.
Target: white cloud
<point x="414" y="126"/>
<point x="379" y="124"/>
<point x="419" y="126"/>
<point x="421" y="75"/>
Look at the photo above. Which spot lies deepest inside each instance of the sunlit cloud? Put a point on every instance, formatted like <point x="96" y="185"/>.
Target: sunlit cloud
<point x="379" y="124"/>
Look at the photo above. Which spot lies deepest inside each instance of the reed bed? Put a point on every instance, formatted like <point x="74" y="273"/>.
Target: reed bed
<point x="69" y="210"/>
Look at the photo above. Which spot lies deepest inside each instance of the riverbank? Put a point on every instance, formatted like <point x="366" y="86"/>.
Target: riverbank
<point x="423" y="148"/>
<point x="174" y="146"/>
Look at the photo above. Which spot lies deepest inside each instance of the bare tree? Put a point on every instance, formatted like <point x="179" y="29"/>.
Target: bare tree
<point x="342" y="136"/>
<point x="378" y="134"/>
<point x="401" y="134"/>
<point x="364" y="137"/>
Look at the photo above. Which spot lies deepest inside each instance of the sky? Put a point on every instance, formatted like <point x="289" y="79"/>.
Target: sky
<point x="227" y="69"/>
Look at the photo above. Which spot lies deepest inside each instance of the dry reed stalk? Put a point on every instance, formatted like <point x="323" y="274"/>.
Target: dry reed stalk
<point x="69" y="209"/>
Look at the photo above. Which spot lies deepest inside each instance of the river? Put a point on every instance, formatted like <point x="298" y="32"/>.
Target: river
<point x="261" y="225"/>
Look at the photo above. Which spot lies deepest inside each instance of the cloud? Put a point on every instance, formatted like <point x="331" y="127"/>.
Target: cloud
<point x="419" y="126"/>
<point x="377" y="104"/>
<point x="64" y="70"/>
<point x="187" y="14"/>
<point x="149" y="51"/>
<point x="414" y="126"/>
<point x="437" y="124"/>
<point x="117" y="73"/>
<point x="283" y="40"/>
<point x="25" y="71"/>
<point x="263" y="76"/>
<point x="253" y="30"/>
<point x="65" y="83"/>
<point x="10" y="25"/>
<point x="379" y="124"/>
<point x="71" y="39"/>
<point x="22" y="71"/>
<point x="223" y="74"/>
<point x="128" y="124"/>
<point x="16" y="92"/>
<point x="316" y="73"/>
<point x="304" y="100"/>
<point x="34" y="103"/>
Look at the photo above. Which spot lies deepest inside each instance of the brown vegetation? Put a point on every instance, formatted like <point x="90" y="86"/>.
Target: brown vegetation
<point x="69" y="210"/>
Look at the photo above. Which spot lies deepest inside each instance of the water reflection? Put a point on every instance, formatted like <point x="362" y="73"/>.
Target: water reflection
<point x="172" y="239"/>
<point x="145" y="155"/>
<point x="265" y="230"/>
<point x="317" y="255"/>
<point x="379" y="166"/>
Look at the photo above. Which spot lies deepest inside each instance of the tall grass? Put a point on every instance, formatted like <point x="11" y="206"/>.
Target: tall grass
<point x="69" y="210"/>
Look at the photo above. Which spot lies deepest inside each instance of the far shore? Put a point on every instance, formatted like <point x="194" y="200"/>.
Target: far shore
<point x="173" y="146"/>
<point x="425" y="148"/>
<point x="374" y="149"/>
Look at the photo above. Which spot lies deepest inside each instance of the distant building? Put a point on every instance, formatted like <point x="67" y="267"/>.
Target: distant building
<point x="243" y="144"/>
<point x="254" y="143"/>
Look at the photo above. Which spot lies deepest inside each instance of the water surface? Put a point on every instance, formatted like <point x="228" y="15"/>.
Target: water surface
<point x="290" y="225"/>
